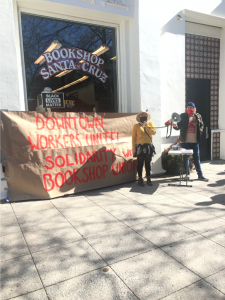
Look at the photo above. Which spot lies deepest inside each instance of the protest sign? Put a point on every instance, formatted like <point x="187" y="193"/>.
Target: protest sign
<point x="52" y="100"/>
<point x="51" y="154"/>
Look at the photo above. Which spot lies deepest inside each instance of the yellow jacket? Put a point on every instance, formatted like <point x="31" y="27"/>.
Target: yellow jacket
<point x="139" y="136"/>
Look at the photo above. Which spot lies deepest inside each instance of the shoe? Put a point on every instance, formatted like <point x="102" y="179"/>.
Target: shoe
<point x="186" y="177"/>
<point x="149" y="182"/>
<point x="202" y="178"/>
<point x="141" y="181"/>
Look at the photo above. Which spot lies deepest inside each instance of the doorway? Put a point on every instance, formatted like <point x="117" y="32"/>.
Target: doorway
<point x="198" y="91"/>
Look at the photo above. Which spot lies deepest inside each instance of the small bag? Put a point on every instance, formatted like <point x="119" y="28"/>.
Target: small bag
<point x="135" y="154"/>
<point x="153" y="149"/>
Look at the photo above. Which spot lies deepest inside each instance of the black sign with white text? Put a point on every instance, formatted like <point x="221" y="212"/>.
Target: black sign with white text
<point x="53" y="100"/>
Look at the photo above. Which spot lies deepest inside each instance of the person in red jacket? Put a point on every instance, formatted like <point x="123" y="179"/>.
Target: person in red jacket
<point x="191" y="128"/>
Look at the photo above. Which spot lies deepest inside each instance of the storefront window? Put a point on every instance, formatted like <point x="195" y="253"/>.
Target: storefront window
<point x="69" y="66"/>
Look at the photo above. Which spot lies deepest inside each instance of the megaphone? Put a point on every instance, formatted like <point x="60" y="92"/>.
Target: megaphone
<point x="174" y="118"/>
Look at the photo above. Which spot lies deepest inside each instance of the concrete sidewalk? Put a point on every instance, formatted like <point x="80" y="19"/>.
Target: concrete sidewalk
<point x="123" y="242"/>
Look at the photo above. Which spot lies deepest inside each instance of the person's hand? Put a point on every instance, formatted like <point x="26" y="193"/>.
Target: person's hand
<point x="133" y="151"/>
<point x="174" y="124"/>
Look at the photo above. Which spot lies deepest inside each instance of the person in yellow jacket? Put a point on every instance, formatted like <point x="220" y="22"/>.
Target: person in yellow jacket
<point x="141" y="145"/>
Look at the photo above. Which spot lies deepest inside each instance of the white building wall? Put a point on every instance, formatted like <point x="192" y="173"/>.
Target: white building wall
<point x="162" y="60"/>
<point x="9" y="86"/>
<point x="9" y="96"/>
<point x="134" y="101"/>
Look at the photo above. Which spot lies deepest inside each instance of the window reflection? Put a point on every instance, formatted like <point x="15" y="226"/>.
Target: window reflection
<point x="79" y="80"/>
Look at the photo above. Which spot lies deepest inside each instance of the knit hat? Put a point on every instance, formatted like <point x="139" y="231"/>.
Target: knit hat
<point x="190" y="104"/>
<point x="141" y="112"/>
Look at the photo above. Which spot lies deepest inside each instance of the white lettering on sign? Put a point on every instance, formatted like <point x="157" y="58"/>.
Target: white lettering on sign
<point x="73" y="59"/>
<point x="53" y="100"/>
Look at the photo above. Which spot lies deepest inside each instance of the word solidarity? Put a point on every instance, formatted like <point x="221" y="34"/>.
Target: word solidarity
<point x="73" y="59"/>
<point x="79" y="158"/>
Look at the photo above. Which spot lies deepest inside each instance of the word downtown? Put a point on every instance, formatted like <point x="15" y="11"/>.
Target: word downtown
<point x="72" y="59"/>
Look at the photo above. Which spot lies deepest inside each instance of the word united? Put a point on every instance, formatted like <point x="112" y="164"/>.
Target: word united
<point x="72" y="59"/>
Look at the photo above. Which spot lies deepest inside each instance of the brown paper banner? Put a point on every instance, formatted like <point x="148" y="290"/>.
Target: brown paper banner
<point x="53" y="154"/>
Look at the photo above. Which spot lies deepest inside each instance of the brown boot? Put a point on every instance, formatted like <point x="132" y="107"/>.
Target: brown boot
<point x="149" y="182"/>
<point x="141" y="181"/>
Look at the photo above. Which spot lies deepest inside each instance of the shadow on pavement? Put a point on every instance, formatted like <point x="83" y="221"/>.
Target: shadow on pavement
<point x="218" y="183"/>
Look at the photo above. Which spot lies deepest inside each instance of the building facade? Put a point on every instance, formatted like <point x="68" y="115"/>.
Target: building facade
<point x="141" y="55"/>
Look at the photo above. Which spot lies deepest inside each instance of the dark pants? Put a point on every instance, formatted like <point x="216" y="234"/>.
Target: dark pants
<point x="196" y="156"/>
<point x="141" y="158"/>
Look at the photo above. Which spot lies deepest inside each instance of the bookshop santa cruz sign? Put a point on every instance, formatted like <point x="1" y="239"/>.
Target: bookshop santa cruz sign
<point x="72" y="59"/>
